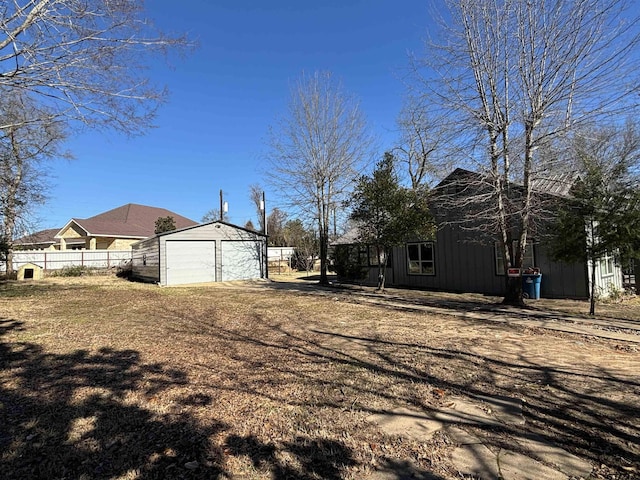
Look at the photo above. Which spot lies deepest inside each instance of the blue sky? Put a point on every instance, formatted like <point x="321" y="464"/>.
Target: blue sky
<point x="225" y="94"/>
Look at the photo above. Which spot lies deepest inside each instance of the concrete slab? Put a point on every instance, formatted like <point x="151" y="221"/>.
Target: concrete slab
<point x="475" y="459"/>
<point x="506" y="409"/>
<point x="421" y="425"/>
<point x="461" y="410"/>
<point x="414" y="424"/>
<point x="401" y="470"/>
<point x="564" y="461"/>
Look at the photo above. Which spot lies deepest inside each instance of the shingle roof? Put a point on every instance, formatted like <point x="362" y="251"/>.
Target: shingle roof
<point x="43" y="236"/>
<point x="130" y="220"/>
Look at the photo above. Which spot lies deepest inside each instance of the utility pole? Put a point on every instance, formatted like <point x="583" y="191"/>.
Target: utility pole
<point x="263" y="207"/>
<point x="224" y="207"/>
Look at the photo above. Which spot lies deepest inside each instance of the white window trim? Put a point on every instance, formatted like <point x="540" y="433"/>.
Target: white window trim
<point x="498" y="257"/>
<point x="604" y="261"/>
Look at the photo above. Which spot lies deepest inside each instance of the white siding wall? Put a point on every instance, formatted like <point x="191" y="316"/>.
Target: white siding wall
<point x="608" y="277"/>
<point x="243" y="265"/>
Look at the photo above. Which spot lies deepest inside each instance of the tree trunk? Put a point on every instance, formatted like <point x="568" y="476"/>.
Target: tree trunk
<point x="7" y="232"/>
<point x="382" y="270"/>
<point x="513" y="295"/>
<point x="592" y="303"/>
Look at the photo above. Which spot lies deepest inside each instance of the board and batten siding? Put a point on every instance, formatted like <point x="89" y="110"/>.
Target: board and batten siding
<point x="460" y="266"/>
<point x="560" y="279"/>
<point x="464" y="265"/>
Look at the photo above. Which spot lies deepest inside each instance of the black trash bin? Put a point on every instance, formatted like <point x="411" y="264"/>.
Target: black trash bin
<point x="531" y="285"/>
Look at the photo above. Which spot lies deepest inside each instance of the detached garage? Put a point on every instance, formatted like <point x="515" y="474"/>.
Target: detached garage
<point x="212" y="252"/>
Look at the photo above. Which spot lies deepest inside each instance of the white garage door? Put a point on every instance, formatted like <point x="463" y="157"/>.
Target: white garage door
<point x="190" y="261"/>
<point x="240" y="260"/>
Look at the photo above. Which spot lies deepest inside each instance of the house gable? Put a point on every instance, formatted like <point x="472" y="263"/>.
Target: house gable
<point x="118" y="228"/>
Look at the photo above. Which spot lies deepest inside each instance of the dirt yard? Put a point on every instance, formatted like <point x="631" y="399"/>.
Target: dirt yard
<point x="102" y="378"/>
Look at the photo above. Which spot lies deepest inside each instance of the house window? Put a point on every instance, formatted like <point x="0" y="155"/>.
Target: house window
<point x="373" y="256"/>
<point x="358" y="255"/>
<point x="606" y="265"/>
<point x="363" y="255"/>
<point x="527" y="261"/>
<point x="421" y="258"/>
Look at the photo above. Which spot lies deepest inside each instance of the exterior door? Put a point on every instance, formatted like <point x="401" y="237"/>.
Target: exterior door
<point x="190" y="261"/>
<point x="241" y="260"/>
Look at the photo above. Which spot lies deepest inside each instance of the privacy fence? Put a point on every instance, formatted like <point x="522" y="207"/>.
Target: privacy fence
<point x="56" y="260"/>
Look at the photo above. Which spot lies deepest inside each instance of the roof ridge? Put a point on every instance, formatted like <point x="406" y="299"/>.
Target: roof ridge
<point x="126" y="215"/>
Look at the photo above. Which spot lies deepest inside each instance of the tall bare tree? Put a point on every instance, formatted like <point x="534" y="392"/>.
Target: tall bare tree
<point x="85" y="60"/>
<point x="315" y="152"/>
<point x="425" y="148"/>
<point x="256" y="194"/>
<point x="276" y="222"/>
<point x="25" y="144"/>
<point x="66" y="63"/>
<point x="518" y="74"/>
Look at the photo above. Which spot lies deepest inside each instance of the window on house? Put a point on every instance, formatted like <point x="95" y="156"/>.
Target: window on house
<point x="421" y="258"/>
<point x="358" y="255"/>
<point x="606" y="265"/>
<point x="527" y="261"/>
<point x="373" y="256"/>
<point x="363" y="255"/>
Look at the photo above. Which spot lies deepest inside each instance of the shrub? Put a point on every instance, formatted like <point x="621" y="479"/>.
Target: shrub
<point x="72" y="271"/>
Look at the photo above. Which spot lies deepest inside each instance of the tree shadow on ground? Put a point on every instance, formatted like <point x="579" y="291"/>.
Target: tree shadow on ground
<point x="76" y="416"/>
<point x="90" y="414"/>
<point x="591" y="413"/>
<point x="320" y="458"/>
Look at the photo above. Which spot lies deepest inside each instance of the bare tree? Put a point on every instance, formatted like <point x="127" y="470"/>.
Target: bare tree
<point x="25" y="145"/>
<point x="276" y="222"/>
<point x="213" y="215"/>
<point x="425" y="143"/>
<point x="256" y="195"/>
<point x="516" y="75"/>
<point x="316" y="150"/>
<point x="85" y="60"/>
<point x="67" y="63"/>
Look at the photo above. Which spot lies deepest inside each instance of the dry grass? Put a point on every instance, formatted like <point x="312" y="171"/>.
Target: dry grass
<point x="101" y="378"/>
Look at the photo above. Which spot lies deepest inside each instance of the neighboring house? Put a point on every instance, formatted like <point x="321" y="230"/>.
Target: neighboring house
<point x="211" y="252"/>
<point x="42" y="240"/>
<point x="115" y="229"/>
<point x="461" y="260"/>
